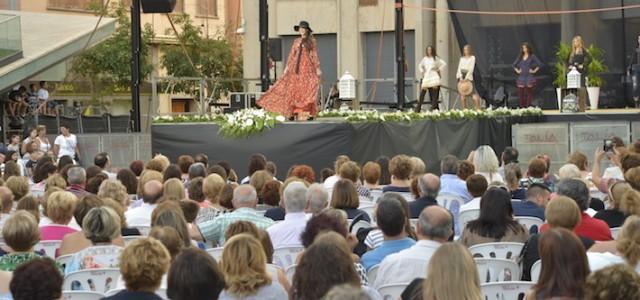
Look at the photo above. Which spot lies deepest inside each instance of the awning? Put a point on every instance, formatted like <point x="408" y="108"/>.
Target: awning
<point x="48" y="39"/>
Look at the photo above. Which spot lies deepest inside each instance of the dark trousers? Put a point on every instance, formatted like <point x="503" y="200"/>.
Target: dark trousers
<point x="434" y="95"/>
<point x="525" y="96"/>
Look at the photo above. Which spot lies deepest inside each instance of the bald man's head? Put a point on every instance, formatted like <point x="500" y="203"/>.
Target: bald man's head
<point x="429" y="185"/>
<point x="6" y="198"/>
<point x="435" y="223"/>
<point x="151" y="191"/>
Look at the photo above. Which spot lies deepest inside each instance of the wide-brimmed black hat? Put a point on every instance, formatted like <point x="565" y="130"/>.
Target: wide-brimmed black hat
<point x="303" y="24"/>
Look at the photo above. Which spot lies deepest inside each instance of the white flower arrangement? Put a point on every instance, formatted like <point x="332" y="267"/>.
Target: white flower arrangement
<point x="357" y="116"/>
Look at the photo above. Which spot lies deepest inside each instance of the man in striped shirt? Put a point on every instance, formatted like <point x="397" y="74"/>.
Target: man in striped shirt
<point x="244" y="202"/>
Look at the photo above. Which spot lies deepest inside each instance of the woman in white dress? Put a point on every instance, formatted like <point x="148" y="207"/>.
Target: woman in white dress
<point x="43" y="140"/>
<point x="465" y="73"/>
<point x="431" y="66"/>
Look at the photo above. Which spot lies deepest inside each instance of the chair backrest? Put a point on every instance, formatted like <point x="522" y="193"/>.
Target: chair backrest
<point x="497" y="270"/>
<point x="289" y="272"/>
<point x="451" y="202"/>
<point x="63" y="260"/>
<point x="615" y="231"/>
<point x="144" y="229"/>
<point x="369" y="210"/>
<point x="286" y="256"/>
<point x="408" y="196"/>
<point x="81" y="295"/>
<point x="506" y="250"/>
<point x="532" y="224"/>
<point x="505" y="290"/>
<point x="130" y="238"/>
<point x="375" y="195"/>
<point x="392" y="291"/>
<point x="216" y="253"/>
<point x="365" y="200"/>
<point x="465" y="217"/>
<point x="373" y="273"/>
<point x="414" y="223"/>
<point x="94" y="280"/>
<point x="49" y="247"/>
<point x="535" y="270"/>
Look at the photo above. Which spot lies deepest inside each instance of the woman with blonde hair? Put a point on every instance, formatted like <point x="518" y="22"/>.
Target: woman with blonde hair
<point x="619" y="194"/>
<point x="579" y="60"/>
<point x="20" y="233"/>
<point x="245" y="270"/>
<point x="464" y="73"/>
<point x="170" y="214"/>
<point x="112" y="188"/>
<point x="60" y="206"/>
<point x="173" y="189"/>
<point x="486" y="163"/>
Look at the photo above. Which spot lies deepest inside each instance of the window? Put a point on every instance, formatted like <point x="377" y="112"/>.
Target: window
<point x="80" y="5"/>
<point x="368" y="2"/>
<point x="207" y="8"/>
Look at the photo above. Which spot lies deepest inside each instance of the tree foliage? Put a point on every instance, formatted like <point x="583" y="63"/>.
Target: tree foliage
<point x="211" y="57"/>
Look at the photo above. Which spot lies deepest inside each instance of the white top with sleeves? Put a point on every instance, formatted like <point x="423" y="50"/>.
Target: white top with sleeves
<point x="466" y="63"/>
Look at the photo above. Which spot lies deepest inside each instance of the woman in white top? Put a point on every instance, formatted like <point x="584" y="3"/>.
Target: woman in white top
<point x="485" y="161"/>
<point x="465" y="72"/>
<point x="42" y="139"/>
<point x="430" y="66"/>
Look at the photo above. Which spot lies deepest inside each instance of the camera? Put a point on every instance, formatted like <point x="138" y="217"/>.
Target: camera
<point x="608" y="146"/>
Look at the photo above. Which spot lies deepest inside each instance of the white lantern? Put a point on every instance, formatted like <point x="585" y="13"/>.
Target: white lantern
<point x="347" y="86"/>
<point x="573" y="79"/>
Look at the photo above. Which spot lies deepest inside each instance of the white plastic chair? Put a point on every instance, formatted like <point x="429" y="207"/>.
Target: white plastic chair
<point x="369" y="210"/>
<point x="289" y="272"/>
<point x="535" y="270"/>
<point x="466" y="217"/>
<point x="94" y="280"/>
<point x="451" y="202"/>
<point x="414" y="223"/>
<point x="375" y="195"/>
<point x="373" y="273"/>
<point x="615" y="231"/>
<point x="130" y="238"/>
<point x="216" y="253"/>
<point x="532" y="224"/>
<point x="365" y="201"/>
<point x="408" y="196"/>
<point x="497" y="270"/>
<point x="144" y="229"/>
<point x="286" y="256"/>
<point x="49" y="247"/>
<point x="392" y="291"/>
<point x="81" y="295"/>
<point x="63" y="260"/>
<point x="506" y="250"/>
<point x="505" y="290"/>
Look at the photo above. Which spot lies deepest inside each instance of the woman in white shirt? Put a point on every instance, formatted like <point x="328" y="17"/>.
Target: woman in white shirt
<point x="430" y="66"/>
<point x="43" y="140"/>
<point x="465" y="73"/>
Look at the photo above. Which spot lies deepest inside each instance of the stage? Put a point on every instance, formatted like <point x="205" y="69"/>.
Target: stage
<point x="318" y="142"/>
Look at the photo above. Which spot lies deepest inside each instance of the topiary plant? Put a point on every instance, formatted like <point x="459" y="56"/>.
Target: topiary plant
<point x="596" y="66"/>
<point x="562" y="56"/>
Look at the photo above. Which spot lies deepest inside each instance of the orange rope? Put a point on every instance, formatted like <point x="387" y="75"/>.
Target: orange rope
<point x="374" y="86"/>
<point x="524" y="13"/>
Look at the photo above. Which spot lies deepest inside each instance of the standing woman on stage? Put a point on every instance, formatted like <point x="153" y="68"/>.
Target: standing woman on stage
<point x="295" y="94"/>
<point x="430" y="66"/>
<point x="579" y="60"/>
<point x="526" y="66"/>
<point x="465" y="78"/>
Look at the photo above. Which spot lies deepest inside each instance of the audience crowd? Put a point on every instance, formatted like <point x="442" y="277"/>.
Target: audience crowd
<point x="194" y="229"/>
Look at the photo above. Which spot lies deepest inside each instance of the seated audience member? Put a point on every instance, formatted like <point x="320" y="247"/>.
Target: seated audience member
<point x="562" y="212"/>
<point x="257" y="162"/>
<point x="400" y="168"/>
<point x="195" y="189"/>
<point x="6" y="205"/>
<point x="171" y="172"/>
<point x="101" y="226"/>
<point x="197" y="170"/>
<point x="345" y="197"/>
<point x="60" y="208"/>
<point x="434" y="228"/>
<point x="112" y="188"/>
<point x="385" y="176"/>
<point x="465" y="169"/>
<point x="30" y="205"/>
<point x="93" y="184"/>
<point x="450" y="183"/>
<point x="129" y="180"/>
<point x="375" y="237"/>
<point x="245" y="199"/>
<point x="173" y="189"/>
<point x="451" y="274"/>
<point x="389" y="211"/>
<point x="258" y="180"/>
<point x="19" y="186"/>
<point x="194" y="275"/>
<point x="476" y="185"/>
<point x="184" y="162"/>
<point x="125" y="230"/>
<point x="143" y="263"/>
<point x="136" y="166"/>
<point x="201" y="158"/>
<point x="169" y="213"/>
<point x="325" y="174"/>
<point x="226" y="196"/>
<point x="314" y="277"/>
<point x="5" y="279"/>
<point x="272" y="168"/>
<point x="219" y="170"/>
<point x="371" y="174"/>
<point x="564" y="266"/>
<point x="577" y="190"/>
<point x="190" y="210"/>
<point x="613" y="282"/>
<point x="569" y="171"/>
<point x="581" y="161"/>
<point x="277" y="213"/>
<point x="287" y="233"/>
<point x="429" y="186"/>
<point x="271" y="194"/>
<point x="141" y="216"/>
<point x="317" y="199"/>
<point x="331" y="181"/>
<point x="509" y="156"/>
<point x="21" y="234"/>
<point x="103" y="161"/>
<point x="77" y="181"/>
<point x="419" y="167"/>
<point x="303" y="172"/>
<point x="346" y="292"/>
<point x="512" y="178"/>
<point x="533" y="206"/>
<point x="212" y="187"/>
<point x="625" y="249"/>
<point x="244" y="266"/>
<point x="614" y="216"/>
<point x="536" y="173"/>
<point x="38" y="279"/>
<point x="485" y="161"/>
<point x="350" y="170"/>
<point x="74" y="242"/>
<point x="620" y="158"/>
<point x="496" y="223"/>
<point x="170" y="238"/>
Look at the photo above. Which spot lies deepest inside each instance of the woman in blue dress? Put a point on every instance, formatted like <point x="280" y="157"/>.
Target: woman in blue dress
<point x="526" y="66"/>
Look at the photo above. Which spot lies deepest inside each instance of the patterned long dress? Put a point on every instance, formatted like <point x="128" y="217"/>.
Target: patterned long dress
<point x="297" y="89"/>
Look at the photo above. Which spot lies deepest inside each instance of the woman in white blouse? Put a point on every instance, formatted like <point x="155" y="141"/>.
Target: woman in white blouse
<point x="430" y="66"/>
<point x="465" y="72"/>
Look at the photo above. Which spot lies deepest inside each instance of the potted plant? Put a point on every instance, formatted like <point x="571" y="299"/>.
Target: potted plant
<point x="594" y="69"/>
<point x="562" y="56"/>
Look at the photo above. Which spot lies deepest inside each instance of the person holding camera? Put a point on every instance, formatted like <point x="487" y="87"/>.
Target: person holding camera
<point x="612" y="149"/>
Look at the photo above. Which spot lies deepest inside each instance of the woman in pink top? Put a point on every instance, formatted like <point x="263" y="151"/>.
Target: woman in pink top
<point x="59" y="208"/>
